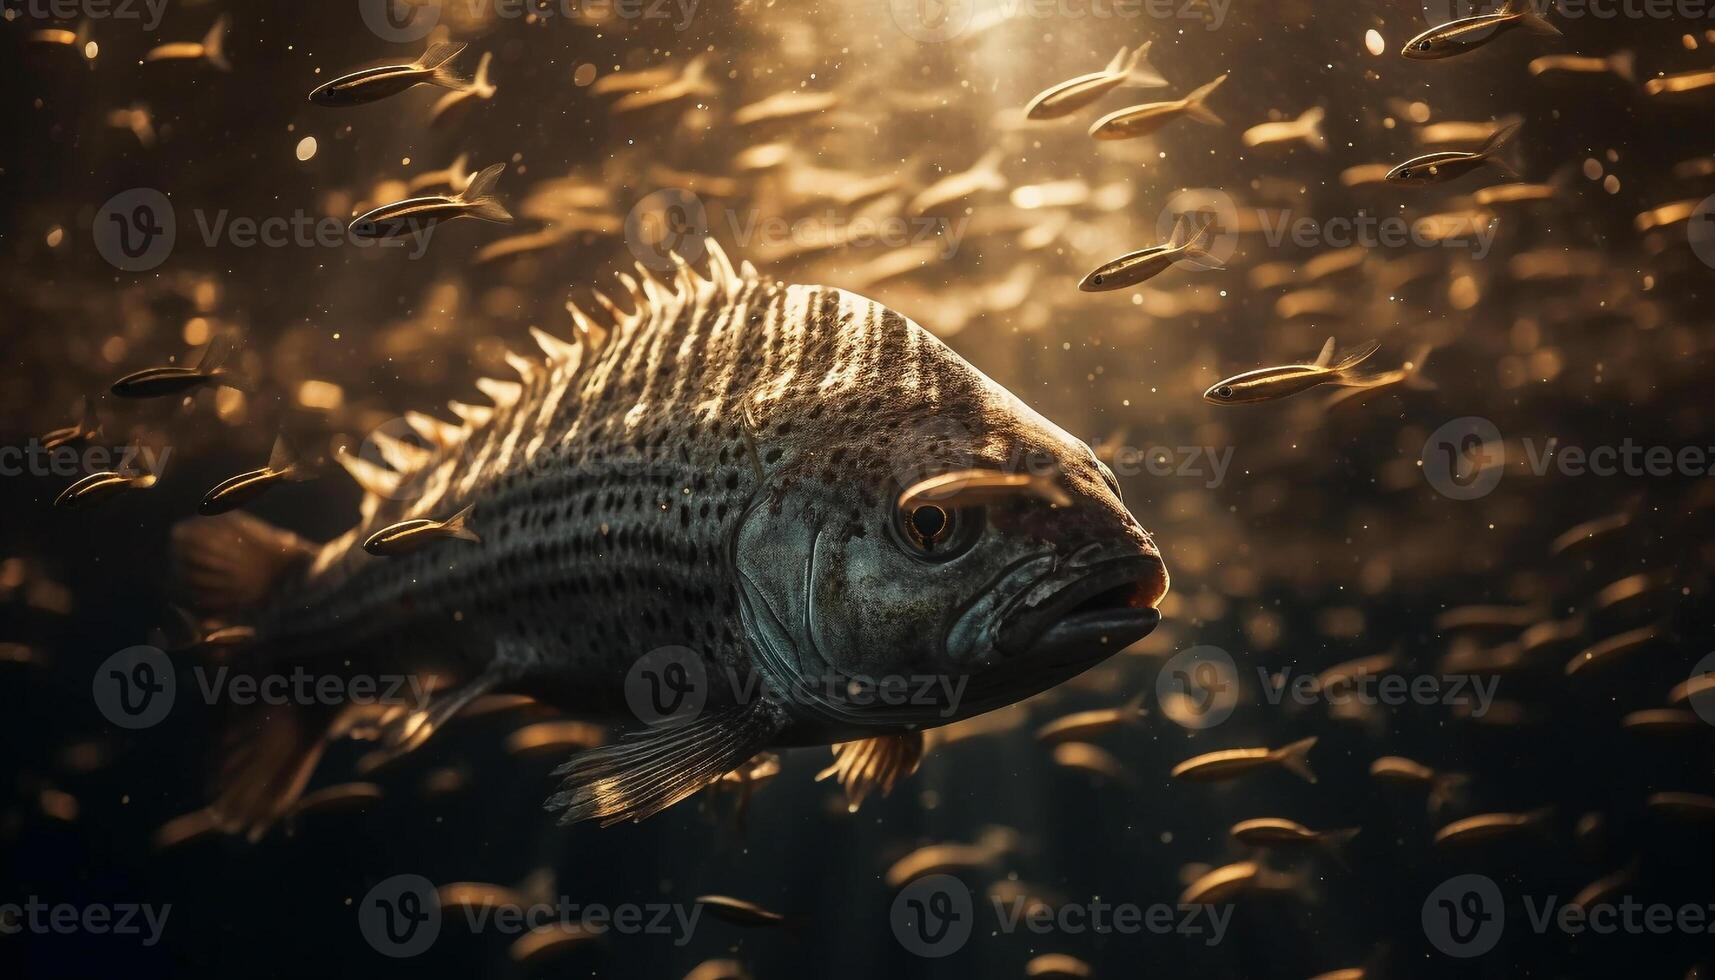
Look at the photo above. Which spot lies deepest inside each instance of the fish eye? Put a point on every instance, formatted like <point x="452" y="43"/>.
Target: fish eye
<point x="1425" y="45"/>
<point x="938" y="533"/>
<point x="1406" y="173"/>
<point x="1224" y="391"/>
<point x="1096" y="279"/>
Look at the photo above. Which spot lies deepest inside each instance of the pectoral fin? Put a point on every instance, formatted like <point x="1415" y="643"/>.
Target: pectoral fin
<point x="646" y="773"/>
<point x="874" y="763"/>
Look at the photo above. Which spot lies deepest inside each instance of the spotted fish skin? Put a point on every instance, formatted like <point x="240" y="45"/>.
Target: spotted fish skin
<point x="721" y="473"/>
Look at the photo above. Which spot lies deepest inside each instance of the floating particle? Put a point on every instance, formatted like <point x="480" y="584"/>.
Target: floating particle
<point x="306" y="148"/>
<point x="1374" y="42"/>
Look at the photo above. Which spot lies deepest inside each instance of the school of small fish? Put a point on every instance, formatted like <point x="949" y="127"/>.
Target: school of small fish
<point x="1254" y="266"/>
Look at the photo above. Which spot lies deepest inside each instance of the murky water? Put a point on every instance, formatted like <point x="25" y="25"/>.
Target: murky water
<point x="1502" y="544"/>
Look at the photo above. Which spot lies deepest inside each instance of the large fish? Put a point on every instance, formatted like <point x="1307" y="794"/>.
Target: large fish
<point x="722" y="477"/>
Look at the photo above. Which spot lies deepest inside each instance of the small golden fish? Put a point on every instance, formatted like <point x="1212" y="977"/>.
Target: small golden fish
<point x="1144" y="264"/>
<point x="1269" y="384"/>
<point x="983" y="177"/>
<point x="1443" y="787"/>
<point x="545" y="940"/>
<point x="1469" y="33"/>
<point x="419" y="214"/>
<point x="406" y="537"/>
<point x="1365" y="174"/>
<point x="97" y="487"/>
<point x="1057" y="966"/>
<point x="719" y="970"/>
<point x="990" y="846"/>
<point x="85" y="429"/>
<point x="973" y="488"/>
<point x="1691" y="806"/>
<point x="1073" y="94"/>
<point x="555" y="735"/>
<point x="1622" y="63"/>
<point x="1279" y="832"/>
<point x="784" y="106"/>
<point x="1223" y="884"/>
<point x="212" y="48"/>
<point x="740" y="912"/>
<point x="239" y="490"/>
<point x="1081" y="725"/>
<point x="1666" y="721"/>
<point x="1514" y="194"/>
<point x="1307" y="128"/>
<point x="1612" y="648"/>
<point x="1142" y="120"/>
<point x="1690" y="81"/>
<point x="1490" y="826"/>
<point x="1230" y="763"/>
<point x="367" y="85"/>
<point x="1446" y="165"/>
<point x="171" y="381"/>
<point x="1094" y="760"/>
<point x="694" y="81"/>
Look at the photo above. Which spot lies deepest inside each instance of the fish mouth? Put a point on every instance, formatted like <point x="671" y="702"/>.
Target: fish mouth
<point x="1085" y="613"/>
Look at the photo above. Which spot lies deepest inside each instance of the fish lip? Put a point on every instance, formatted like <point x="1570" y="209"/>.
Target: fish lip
<point x="1056" y="630"/>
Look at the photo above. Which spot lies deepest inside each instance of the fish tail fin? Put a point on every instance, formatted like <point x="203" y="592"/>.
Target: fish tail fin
<point x="1197" y="246"/>
<point x="1295" y="758"/>
<point x="1447" y="790"/>
<point x="1335" y="843"/>
<point x="1500" y="138"/>
<point x="1181" y="234"/>
<point x="1195" y="107"/>
<point x="438" y="62"/>
<point x="214" y="44"/>
<point x="640" y="776"/>
<point x="481" y="85"/>
<point x="458" y="526"/>
<point x="1312" y="121"/>
<point x="1355" y="357"/>
<point x="1531" y="19"/>
<point x="697" y="76"/>
<point x="1414" y="378"/>
<point x="874" y="763"/>
<point x="1139" y="72"/>
<point x="480" y="199"/>
<point x="1624" y="64"/>
<point x="233" y="561"/>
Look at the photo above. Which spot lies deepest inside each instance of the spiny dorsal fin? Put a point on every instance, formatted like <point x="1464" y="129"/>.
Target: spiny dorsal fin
<point x="720" y="267"/>
<point x="525" y="367"/>
<point x="612" y="308"/>
<point x="747" y="271"/>
<point x="689" y="281"/>
<point x="558" y="351"/>
<point x="474" y="416"/>
<point x="443" y="435"/>
<point x="399" y="454"/>
<point x="581" y="322"/>
<point x="653" y="291"/>
<point x="639" y="302"/>
<point x="374" y="480"/>
<point x="504" y="394"/>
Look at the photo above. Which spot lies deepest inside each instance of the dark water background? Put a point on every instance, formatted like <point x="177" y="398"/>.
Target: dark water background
<point x="1311" y="518"/>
